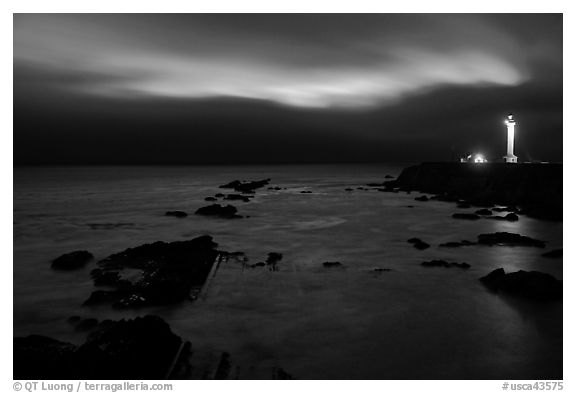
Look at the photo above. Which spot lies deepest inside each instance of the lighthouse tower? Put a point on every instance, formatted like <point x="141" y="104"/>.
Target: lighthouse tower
<point x="510" y="123"/>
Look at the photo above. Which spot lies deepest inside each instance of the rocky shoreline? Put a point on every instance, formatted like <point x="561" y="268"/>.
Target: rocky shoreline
<point x="535" y="188"/>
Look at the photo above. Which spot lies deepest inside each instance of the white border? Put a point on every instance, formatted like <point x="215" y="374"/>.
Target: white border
<point x="233" y="6"/>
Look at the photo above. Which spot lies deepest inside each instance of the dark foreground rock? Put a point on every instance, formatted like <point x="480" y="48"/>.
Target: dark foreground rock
<point x="246" y="187"/>
<point x="72" y="260"/>
<point x="273" y="259"/>
<point x="532" y="285"/>
<point x="141" y="348"/>
<point x="553" y="254"/>
<point x="483" y="212"/>
<point x="176" y="213"/>
<point x="509" y="239"/>
<point x="442" y="263"/>
<point x="418" y="244"/>
<point x="466" y="216"/>
<point x="332" y="264"/>
<point x="535" y="188"/>
<point x="168" y="273"/>
<point x="508" y="217"/>
<point x="237" y="197"/>
<point x="218" y="210"/>
<point x="457" y="244"/>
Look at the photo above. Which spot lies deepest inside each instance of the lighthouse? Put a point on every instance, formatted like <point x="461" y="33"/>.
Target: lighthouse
<point x="510" y="123"/>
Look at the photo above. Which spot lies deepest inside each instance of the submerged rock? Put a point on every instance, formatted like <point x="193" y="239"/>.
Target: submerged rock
<point x="553" y="254"/>
<point x="466" y="216"/>
<point x="457" y="244"/>
<point x="176" y="213"/>
<point x="237" y="197"/>
<point x="210" y="199"/>
<point x="332" y="264"/>
<point x="246" y="187"/>
<point x="273" y="259"/>
<point x="72" y="260"/>
<point x="508" y="217"/>
<point x="218" y="210"/>
<point x="168" y="273"/>
<point x="532" y="285"/>
<point x="418" y="244"/>
<point x="509" y="239"/>
<point x="483" y="212"/>
<point x="422" y="198"/>
<point x="442" y="263"/>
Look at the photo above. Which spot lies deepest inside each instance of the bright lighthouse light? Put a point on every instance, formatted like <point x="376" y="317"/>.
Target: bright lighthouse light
<point x="478" y="158"/>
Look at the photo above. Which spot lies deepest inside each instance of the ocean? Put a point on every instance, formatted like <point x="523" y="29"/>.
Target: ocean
<point x="353" y="322"/>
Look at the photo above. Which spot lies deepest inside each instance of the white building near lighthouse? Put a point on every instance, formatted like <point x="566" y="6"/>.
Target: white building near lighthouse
<point x="510" y="124"/>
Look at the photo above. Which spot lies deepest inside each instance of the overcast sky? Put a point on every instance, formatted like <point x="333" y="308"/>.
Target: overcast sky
<point x="242" y="88"/>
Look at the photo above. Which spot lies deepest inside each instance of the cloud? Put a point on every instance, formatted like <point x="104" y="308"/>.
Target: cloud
<point x="366" y="63"/>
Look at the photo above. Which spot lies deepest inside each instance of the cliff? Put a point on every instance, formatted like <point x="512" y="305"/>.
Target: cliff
<point x="535" y="188"/>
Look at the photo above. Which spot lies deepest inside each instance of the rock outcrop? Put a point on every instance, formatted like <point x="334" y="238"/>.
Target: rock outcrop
<point x="169" y="272"/>
<point x="532" y="285"/>
<point x="141" y="348"/>
<point x="535" y="188"/>
<point x="72" y="260"/>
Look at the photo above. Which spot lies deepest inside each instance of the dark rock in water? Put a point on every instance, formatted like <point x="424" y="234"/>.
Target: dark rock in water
<point x="259" y="264"/>
<point x="169" y="272"/>
<point x="72" y="260"/>
<point x="532" y="285"/>
<point x="463" y="205"/>
<point x="39" y="357"/>
<point x="246" y="187"/>
<point x="176" y="213"/>
<point x="508" y="217"/>
<point x="457" y="244"/>
<point x="223" y="367"/>
<point x="86" y="324"/>
<point x="219" y="195"/>
<point x="535" y="188"/>
<point x="103" y="277"/>
<point x="218" y="210"/>
<point x="512" y="209"/>
<point x="388" y="177"/>
<point x="210" y="199"/>
<point x="442" y="263"/>
<point x="483" y="212"/>
<point x="446" y="197"/>
<point x="141" y="348"/>
<point x="332" y="264"/>
<point x="273" y="259"/>
<point x="466" y="216"/>
<point x="509" y="239"/>
<point x="418" y="244"/>
<point x="74" y="319"/>
<point x="279" y="374"/>
<point x="553" y="254"/>
<point x="511" y="217"/>
<point x="232" y="184"/>
<point x="381" y="270"/>
<point x="348" y="189"/>
<point x="308" y="192"/>
<point x="422" y="198"/>
<point x="237" y="197"/>
<point x="375" y="184"/>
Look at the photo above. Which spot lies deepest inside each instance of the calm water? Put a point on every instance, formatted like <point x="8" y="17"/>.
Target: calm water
<point x="412" y="322"/>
